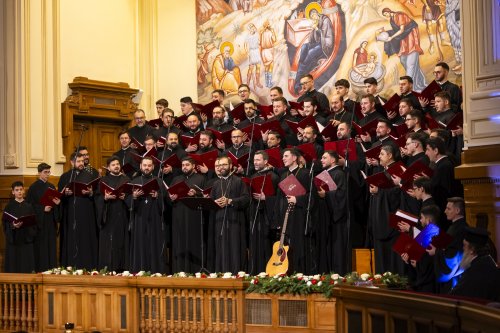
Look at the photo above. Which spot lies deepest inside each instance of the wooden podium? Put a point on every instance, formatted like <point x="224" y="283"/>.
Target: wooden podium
<point x="361" y="261"/>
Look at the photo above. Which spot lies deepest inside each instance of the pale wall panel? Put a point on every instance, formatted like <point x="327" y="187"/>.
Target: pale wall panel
<point x="98" y="41"/>
<point x="176" y="51"/>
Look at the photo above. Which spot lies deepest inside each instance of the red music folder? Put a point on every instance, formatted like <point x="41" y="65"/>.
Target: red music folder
<point x="455" y="122"/>
<point x="150" y="153"/>
<point x="180" y="189"/>
<point x="392" y="105"/>
<point x="325" y="182"/>
<point x="206" y="158"/>
<point x="275" y="157"/>
<point x="291" y="186"/>
<point x="401" y="141"/>
<point x="370" y="128"/>
<point x="396" y="169"/>
<point x="262" y="184"/>
<point x="307" y="121"/>
<point x="173" y="161"/>
<point x="272" y="125"/>
<point x="206" y="109"/>
<point x="79" y="187"/>
<point x="416" y="168"/>
<point x="255" y="128"/>
<point x="400" y="130"/>
<point x="190" y="140"/>
<point x="372" y="152"/>
<point x="242" y="160"/>
<point x="239" y="112"/>
<point x="341" y="147"/>
<point x="222" y="136"/>
<point x="296" y="106"/>
<point x="402" y="216"/>
<point x="430" y="91"/>
<point x="179" y="122"/>
<point x="266" y="111"/>
<point x="139" y="146"/>
<point x="330" y="132"/>
<point x="357" y="110"/>
<point x="379" y="179"/>
<point x="147" y="188"/>
<point x="123" y="188"/>
<point x="308" y="151"/>
<point x="20" y="221"/>
<point x="406" y="244"/>
<point x="48" y="196"/>
<point x="155" y="122"/>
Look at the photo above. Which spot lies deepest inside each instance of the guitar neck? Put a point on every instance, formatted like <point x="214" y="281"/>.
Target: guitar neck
<point x="285" y="222"/>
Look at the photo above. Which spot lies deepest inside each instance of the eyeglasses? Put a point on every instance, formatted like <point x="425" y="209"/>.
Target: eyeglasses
<point x="222" y="165"/>
<point x="242" y="91"/>
<point x="408" y="119"/>
<point x="304" y="83"/>
<point x="436" y="72"/>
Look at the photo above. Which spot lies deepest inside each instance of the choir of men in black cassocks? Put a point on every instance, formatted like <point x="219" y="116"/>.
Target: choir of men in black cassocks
<point x="175" y="200"/>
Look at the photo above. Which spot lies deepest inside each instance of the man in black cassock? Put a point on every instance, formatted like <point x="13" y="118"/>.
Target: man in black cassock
<point x="79" y="236"/>
<point x="19" y="250"/>
<point x="172" y="147"/>
<point x="260" y="213"/>
<point x="301" y="251"/>
<point x="384" y="201"/>
<point x="141" y="128"/>
<point x="231" y="195"/>
<point x="147" y="237"/>
<point x="239" y="149"/>
<point x="47" y="219"/>
<point x="187" y="223"/>
<point x="332" y="221"/>
<point x="86" y="162"/>
<point x="112" y="219"/>
<point x="447" y="260"/>
<point x="129" y="165"/>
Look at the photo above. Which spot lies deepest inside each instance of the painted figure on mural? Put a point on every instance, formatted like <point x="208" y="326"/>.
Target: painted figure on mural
<point x="360" y="54"/>
<point x="316" y="42"/>
<point x="452" y="14"/>
<point x="320" y="44"/>
<point x="434" y="23"/>
<point x="252" y="48"/>
<point x="245" y="5"/>
<point x="404" y="40"/>
<point x="267" y="41"/>
<point x="225" y="74"/>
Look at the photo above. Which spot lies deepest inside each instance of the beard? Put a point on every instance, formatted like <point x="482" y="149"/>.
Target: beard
<point x="467" y="259"/>
<point x="224" y="172"/>
<point x="217" y="121"/>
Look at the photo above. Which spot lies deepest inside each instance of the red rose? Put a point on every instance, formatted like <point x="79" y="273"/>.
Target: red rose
<point x="323" y="278"/>
<point x="314" y="281"/>
<point x="332" y="282"/>
<point x="256" y="281"/>
<point x="203" y="276"/>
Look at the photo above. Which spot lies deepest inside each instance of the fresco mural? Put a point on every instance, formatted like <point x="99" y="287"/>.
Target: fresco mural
<point x="266" y="43"/>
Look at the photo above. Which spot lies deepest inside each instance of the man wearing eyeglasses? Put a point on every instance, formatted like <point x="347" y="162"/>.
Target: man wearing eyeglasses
<point x="238" y="149"/>
<point x="308" y="90"/>
<point x="141" y="128"/>
<point x="228" y="237"/>
<point x="413" y="121"/>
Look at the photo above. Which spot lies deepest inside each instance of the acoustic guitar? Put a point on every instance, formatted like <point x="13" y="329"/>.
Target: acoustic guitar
<point x="278" y="263"/>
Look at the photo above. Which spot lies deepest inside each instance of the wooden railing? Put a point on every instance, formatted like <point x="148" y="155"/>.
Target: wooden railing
<point x="191" y="305"/>
<point x="363" y="310"/>
<point x="19" y="302"/>
<point x="44" y="303"/>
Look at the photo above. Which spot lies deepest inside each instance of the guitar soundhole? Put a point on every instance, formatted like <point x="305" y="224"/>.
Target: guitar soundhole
<point x="280" y="252"/>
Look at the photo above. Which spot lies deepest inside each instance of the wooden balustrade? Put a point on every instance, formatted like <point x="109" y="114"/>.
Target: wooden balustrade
<point x="191" y="305"/>
<point x="19" y="305"/>
<point x="361" y="310"/>
<point x="44" y="303"/>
